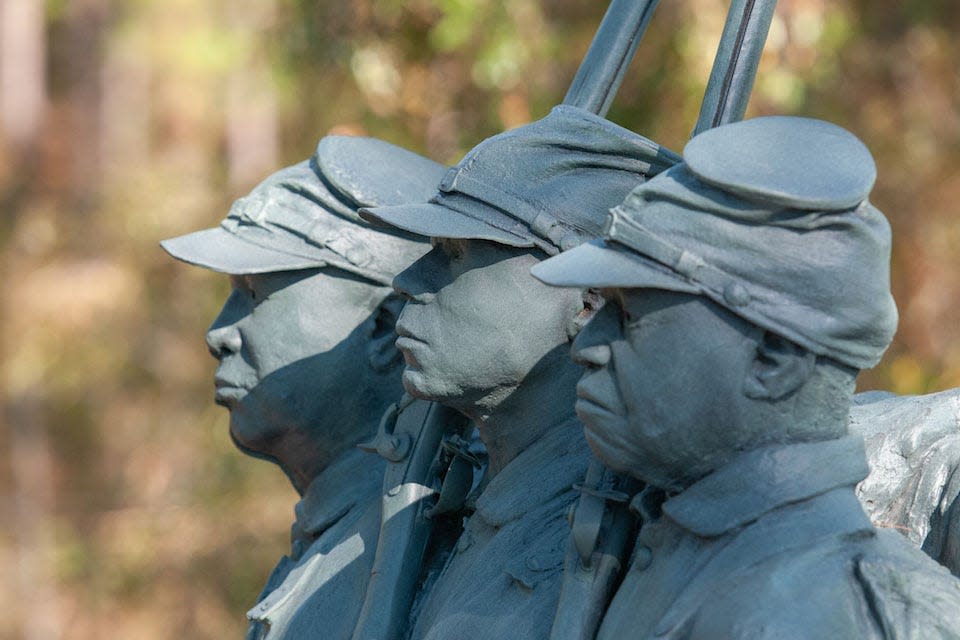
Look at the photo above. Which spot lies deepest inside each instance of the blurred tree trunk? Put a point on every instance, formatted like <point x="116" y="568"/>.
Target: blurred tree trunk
<point x="251" y="116"/>
<point x="252" y="130"/>
<point x="23" y="107"/>
<point x="22" y="71"/>
<point x="32" y="514"/>
<point x="86" y="30"/>
<point x="125" y="110"/>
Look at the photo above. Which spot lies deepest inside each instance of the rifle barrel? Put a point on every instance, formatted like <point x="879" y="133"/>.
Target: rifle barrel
<point x="613" y="47"/>
<point x="735" y="66"/>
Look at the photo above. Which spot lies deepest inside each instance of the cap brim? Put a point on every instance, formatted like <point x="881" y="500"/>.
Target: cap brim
<point x="218" y="250"/>
<point x="597" y="264"/>
<point x="437" y="221"/>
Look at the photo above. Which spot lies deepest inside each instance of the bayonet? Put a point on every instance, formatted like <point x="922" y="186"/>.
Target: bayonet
<point x="735" y="66"/>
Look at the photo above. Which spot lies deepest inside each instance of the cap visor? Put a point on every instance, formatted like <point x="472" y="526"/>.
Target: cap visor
<point x="437" y="221"/>
<point x="218" y="250"/>
<point x="596" y="264"/>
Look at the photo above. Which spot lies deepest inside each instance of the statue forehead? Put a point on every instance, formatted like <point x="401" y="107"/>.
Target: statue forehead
<point x="693" y="309"/>
<point x="317" y="285"/>
<point x="492" y="269"/>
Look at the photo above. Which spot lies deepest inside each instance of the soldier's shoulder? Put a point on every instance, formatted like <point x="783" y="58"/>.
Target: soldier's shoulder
<point x="861" y="585"/>
<point x="913" y="446"/>
<point x="806" y="593"/>
<point x="911" y="595"/>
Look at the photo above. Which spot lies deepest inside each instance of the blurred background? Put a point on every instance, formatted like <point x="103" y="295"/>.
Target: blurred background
<point x="125" y="511"/>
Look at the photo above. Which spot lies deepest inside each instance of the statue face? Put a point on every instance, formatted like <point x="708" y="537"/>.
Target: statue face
<point x="292" y="358"/>
<point x="664" y="379"/>
<point x="476" y="322"/>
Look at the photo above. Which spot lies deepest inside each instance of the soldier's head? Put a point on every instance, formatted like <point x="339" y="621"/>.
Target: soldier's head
<point x="305" y="341"/>
<point x="746" y="288"/>
<point x="476" y="324"/>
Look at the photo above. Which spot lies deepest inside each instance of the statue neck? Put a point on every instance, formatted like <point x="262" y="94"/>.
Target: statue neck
<point x="302" y="458"/>
<point x="512" y="418"/>
<point x="305" y="454"/>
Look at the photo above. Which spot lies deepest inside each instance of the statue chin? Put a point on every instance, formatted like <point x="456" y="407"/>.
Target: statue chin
<point x="251" y="427"/>
<point x="251" y="447"/>
<point x="422" y="386"/>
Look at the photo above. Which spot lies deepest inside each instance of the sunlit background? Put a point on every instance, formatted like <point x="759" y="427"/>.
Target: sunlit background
<point x="125" y="511"/>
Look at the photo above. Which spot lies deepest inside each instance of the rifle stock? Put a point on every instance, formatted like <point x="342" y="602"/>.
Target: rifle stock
<point x="602" y="530"/>
<point x="409" y="437"/>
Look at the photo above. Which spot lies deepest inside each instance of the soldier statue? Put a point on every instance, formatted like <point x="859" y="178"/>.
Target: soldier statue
<point x="307" y="362"/>
<point x="479" y="334"/>
<point x="913" y="445"/>
<point x="746" y="287"/>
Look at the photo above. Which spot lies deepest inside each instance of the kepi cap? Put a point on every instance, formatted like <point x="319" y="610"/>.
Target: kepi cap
<point x="547" y="184"/>
<point x="305" y="216"/>
<point x="773" y="225"/>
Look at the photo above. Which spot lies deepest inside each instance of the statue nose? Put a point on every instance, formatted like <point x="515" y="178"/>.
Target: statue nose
<point x="591" y="347"/>
<point x="597" y="355"/>
<point x="223" y="340"/>
<point x="409" y="289"/>
<point x="421" y="281"/>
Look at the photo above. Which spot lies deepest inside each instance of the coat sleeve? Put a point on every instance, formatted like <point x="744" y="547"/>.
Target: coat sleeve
<point x="911" y="599"/>
<point x="806" y="595"/>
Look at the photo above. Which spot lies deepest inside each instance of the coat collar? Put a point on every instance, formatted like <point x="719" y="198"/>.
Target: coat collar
<point x="759" y="481"/>
<point x="354" y="478"/>
<point x="547" y="468"/>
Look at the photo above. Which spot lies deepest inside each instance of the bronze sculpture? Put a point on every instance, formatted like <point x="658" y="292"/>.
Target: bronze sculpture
<point x="512" y="201"/>
<point x="480" y="337"/>
<point x="751" y="528"/>
<point x="307" y="362"/>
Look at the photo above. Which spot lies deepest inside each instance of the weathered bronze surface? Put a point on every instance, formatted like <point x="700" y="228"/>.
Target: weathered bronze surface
<point x="759" y="258"/>
<point x="628" y="376"/>
<point x="307" y="362"/>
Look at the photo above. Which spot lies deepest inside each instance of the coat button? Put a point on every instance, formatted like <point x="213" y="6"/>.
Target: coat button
<point x="642" y="558"/>
<point x="736" y="295"/>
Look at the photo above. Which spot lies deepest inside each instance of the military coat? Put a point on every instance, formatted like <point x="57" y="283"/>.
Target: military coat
<point x="773" y="546"/>
<point x="317" y="591"/>
<point x="503" y="578"/>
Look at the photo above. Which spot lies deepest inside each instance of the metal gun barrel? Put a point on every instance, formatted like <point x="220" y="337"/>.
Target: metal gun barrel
<point x="613" y="47"/>
<point x="735" y="66"/>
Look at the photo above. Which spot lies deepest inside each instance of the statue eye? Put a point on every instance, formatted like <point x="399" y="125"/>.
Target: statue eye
<point x="453" y="249"/>
<point x="631" y="320"/>
<point x="250" y="287"/>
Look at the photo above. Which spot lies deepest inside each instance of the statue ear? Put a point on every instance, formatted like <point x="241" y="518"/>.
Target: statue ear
<point x="382" y="353"/>
<point x="779" y="368"/>
<point x="591" y="303"/>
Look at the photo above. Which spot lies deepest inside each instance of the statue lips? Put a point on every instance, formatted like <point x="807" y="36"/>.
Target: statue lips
<point x="590" y="396"/>
<point x="227" y="393"/>
<point x="406" y="342"/>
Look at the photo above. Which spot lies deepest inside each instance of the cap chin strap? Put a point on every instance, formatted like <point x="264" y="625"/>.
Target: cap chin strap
<point x="714" y="282"/>
<point x="549" y="232"/>
<point x="341" y="250"/>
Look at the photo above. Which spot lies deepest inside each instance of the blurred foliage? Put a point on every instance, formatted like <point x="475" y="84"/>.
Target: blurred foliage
<point x="133" y="516"/>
